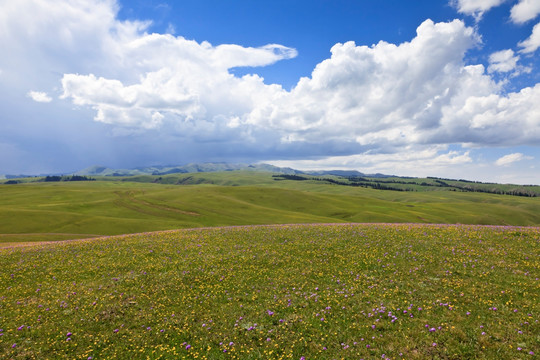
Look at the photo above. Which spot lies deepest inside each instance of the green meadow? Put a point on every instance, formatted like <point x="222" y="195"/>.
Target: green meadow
<point x="50" y="211"/>
<point x="244" y="265"/>
<point x="402" y="291"/>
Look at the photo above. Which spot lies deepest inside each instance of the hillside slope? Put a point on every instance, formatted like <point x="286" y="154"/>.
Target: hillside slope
<point x="65" y="210"/>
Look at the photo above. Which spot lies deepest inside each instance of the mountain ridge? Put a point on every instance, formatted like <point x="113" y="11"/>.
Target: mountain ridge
<point x="99" y="170"/>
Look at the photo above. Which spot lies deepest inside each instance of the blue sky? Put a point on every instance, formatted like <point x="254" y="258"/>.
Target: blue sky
<point x="446" y="88"/>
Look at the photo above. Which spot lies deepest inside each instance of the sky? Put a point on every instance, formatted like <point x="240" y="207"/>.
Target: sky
<point x="446" y="88"/>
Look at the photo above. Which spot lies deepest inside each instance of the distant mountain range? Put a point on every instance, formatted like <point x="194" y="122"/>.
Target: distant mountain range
<point x="212" y="167"/>
<point x="98" y="170"/>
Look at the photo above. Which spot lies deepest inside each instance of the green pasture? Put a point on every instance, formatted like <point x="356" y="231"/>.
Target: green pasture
<point x="38" y="211"/>
<point x="403" y="291"/>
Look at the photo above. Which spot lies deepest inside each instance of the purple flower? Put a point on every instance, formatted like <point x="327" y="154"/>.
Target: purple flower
<point x="188" y="347"/>
<point x="13" y="346"/>
<point x="434" y="344"/>
<point x="269" y="312"/>
<point x="115" y="330"/>
<point x="69" y="334"/>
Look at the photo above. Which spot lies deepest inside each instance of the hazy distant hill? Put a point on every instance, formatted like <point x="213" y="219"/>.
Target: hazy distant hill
<point x="189" y="168"/>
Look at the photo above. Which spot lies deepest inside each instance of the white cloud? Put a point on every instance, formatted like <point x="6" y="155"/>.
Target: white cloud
<point x="179" y="78"/>
<point x="502" y="61"/>
<point x="39" y="96"/>
<point x="382" y="98"/>
<point x="531" y="44"/>
<point x="415" y="161"/>
<point x="475" y="8"/>
<point x="524" y="11"/>
<point x="511" y="158"/>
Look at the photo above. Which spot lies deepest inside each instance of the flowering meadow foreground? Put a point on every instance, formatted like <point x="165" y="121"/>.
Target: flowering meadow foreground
<point x="277" y="292"/>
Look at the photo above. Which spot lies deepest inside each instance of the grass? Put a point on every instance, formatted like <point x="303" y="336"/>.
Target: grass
<point x="280" y="292"/>
<point x="32" y="212"/>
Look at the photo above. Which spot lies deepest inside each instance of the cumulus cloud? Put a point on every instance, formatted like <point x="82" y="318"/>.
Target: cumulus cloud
<point x="475" y="8"/>
<point x="178" y="80"/>
<point x="506" y="61"/>
<point x="39" y="96"/>
<point x="531" y="44"/>
<point x="382" y="98"/>
<point x="386" y="97"/>
<point x="511" y="158"/>
<point x="502" y="61"/>
<point x="524" y="11"/>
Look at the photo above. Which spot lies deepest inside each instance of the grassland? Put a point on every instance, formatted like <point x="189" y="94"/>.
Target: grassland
<point x="33" y="212"/>
<point x="281" y="292"/>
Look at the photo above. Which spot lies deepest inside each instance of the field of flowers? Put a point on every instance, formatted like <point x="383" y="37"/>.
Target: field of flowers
<point x="277" y="292"/>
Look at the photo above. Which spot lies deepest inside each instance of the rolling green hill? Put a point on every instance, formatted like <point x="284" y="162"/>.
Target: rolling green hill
<point x="41" y="211"/>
